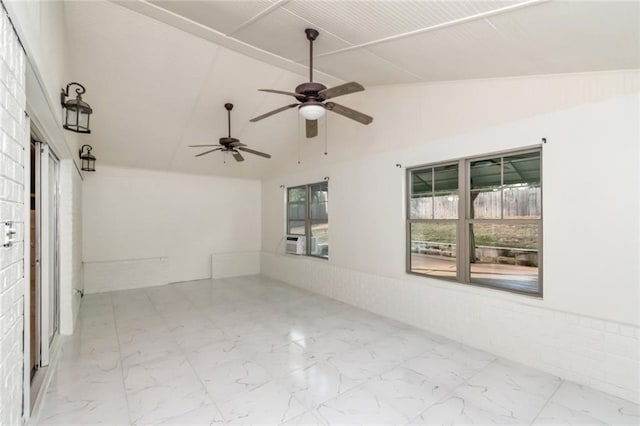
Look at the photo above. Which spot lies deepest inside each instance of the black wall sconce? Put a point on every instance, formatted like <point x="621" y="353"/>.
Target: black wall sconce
<point x="77" y="111"/>
<point x="87" y="160"/>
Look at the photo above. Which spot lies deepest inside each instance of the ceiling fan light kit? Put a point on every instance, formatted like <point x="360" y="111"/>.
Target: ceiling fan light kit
<point x="229" y="144"/>
<point x="311" y="97"/>
<point x="312" y="111"/>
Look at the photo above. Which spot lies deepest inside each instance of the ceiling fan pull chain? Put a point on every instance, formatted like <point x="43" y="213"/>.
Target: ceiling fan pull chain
<point x="299" y="139"/>
<point x="326" y="131"/>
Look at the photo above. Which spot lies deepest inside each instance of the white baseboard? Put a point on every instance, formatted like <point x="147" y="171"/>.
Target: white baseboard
<point x="124" y="274"/>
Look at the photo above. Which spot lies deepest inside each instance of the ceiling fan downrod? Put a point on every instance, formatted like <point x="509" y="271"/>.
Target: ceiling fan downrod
<point x="312" y="34"/>
<point x="229" y="107"/>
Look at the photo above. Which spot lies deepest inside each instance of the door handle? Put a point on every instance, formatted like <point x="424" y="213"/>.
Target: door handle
<point x="8" y="234"/>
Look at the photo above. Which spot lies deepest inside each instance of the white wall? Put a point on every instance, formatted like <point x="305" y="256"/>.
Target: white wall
<point x="586" y="326"/>
<point x="143" y="228"/>
<point x="14" y="169"/>
<point x="70" y="244"/>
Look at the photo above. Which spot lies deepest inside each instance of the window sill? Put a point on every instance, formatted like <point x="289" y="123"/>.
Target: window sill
<point x="475" y="288"/>
<point x="306" y="256"/>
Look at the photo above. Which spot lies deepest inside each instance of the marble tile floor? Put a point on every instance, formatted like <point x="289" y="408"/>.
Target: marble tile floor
<point x="251" y="350"/>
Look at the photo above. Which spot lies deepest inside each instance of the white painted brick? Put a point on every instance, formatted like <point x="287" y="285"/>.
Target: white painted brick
<point x="11" y="275"/>
<point x="622" y="346"/>
<point x="627" y="331"/>
<point x="11" y="254"/>
<point x="611" y="327"/>
<point x="590" y="351"/>
<point x="13" y="140"/>
<point x="10" y="211"/>
<point x="585" y="322"/>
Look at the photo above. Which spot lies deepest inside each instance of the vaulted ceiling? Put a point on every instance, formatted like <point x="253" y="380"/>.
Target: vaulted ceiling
<point x="158" y="73"/>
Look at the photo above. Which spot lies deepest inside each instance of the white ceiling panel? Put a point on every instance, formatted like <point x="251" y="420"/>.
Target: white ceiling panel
<point x="364" y="67"/>
<point x="596" y="35"/>
<point x="471" y="51"/>
<point x="141" y="78"/>
<point x="222" y="16"/>
<point x="358" y="22"/>
<point x="158" y="81"/>
<point x="282" y="33"/>
<point x="156" y="89"/>
<point x="553" y="37"/>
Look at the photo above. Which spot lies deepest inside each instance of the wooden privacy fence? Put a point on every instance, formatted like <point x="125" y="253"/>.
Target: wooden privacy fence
<point x="519" y="202"/>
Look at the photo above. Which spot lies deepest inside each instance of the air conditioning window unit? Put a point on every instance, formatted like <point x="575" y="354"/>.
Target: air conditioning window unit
<point x="295" y="244"/>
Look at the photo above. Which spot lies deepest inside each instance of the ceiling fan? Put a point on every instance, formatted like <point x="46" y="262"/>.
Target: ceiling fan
<point x="311" y="97"/>
<point x="229" y="144"/>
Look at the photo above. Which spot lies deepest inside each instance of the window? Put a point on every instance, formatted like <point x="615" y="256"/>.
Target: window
<point x="308" y="215"/>
<point x="489" y="206"/>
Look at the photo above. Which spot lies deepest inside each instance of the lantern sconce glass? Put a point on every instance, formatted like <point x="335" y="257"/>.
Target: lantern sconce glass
<point x="77" y="111"/>
<point x="87" y="160"/>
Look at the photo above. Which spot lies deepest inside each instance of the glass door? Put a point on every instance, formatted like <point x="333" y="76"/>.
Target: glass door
<point x="47" y="247"/>
<point x="34" y="275"/>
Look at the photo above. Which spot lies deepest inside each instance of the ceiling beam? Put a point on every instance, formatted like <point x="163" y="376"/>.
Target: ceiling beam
<point x="265" y="12"/>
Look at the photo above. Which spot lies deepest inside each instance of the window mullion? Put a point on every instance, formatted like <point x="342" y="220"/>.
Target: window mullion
<point x="502" y="188"/>
<point x="307" y="220"/>
<point x="463" y="227"/>
<point x="433" y="192"/>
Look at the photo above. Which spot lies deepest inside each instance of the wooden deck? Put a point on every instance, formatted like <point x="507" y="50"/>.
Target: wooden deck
<point x="514" y="277"/>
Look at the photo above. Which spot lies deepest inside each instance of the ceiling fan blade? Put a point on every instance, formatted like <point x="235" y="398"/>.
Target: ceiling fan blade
<point x="252" y="151"/>
<point x="199" y="146"/>
<point x="238" y="156"/>
<point x="312" y="128"/>
<point x="343" y="89"/>
<point x="349" y="113"/>
<point x="235" y="144"/>
<point x="270" y="113"/>
<point x="207" y="152"/>
<point x="280" y="92"/>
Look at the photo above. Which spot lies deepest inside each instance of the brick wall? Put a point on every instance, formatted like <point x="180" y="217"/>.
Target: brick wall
<point x="13" y="143"/>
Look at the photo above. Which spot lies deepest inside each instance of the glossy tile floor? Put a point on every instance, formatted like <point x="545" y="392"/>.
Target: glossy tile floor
<point x="253" y="350"/>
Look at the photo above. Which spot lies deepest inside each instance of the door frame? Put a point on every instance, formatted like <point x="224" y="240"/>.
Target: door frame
<point x="35" y="385"/>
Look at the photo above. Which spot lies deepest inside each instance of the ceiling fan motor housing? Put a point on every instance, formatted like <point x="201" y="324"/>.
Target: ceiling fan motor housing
<point x="228" y="141"/>
<point x="309" y="91"/>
